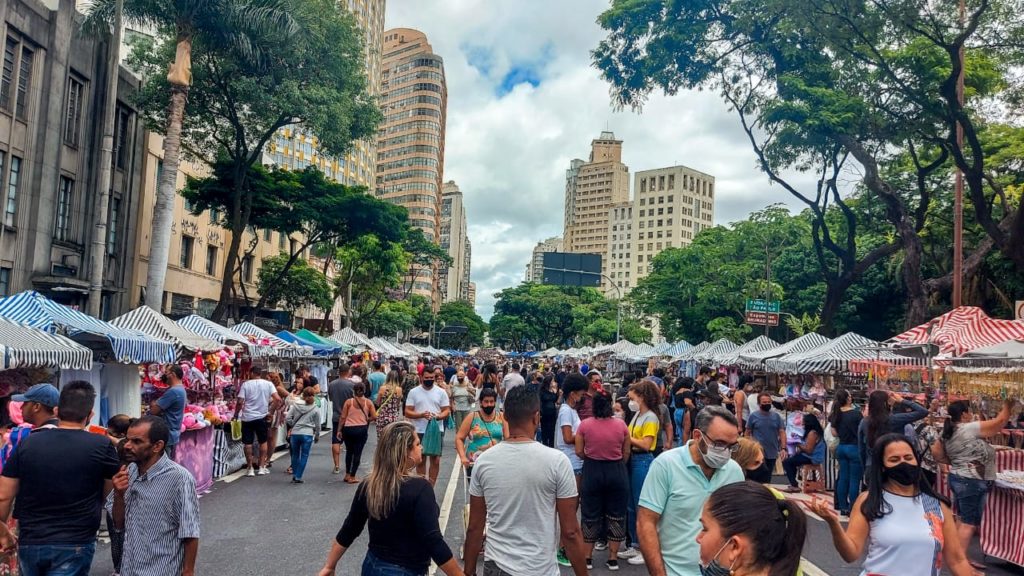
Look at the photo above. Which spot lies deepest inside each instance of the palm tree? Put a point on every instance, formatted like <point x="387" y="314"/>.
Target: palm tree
<point x="236" y="23"/>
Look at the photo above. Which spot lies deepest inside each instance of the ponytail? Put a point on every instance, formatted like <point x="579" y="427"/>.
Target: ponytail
<point x="775" y="526"/>
<point x="956" y="412"/>
<point x="788" y="561"/>
<point x="842" y="397"/>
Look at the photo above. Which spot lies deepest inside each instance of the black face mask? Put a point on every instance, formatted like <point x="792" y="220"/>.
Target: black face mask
<point x="428" y="383"/>
<point x="904" y="473"/>
<point x="760" y="475"/>
<point x="488" y="410"/>
<point x="766" y="407"/>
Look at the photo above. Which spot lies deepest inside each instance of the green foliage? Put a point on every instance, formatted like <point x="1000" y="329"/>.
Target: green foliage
<point x="728" y="328"/>
<point x="805" y="324"/>
<point x="300" y="285"/>
<point x="460" y="313"/>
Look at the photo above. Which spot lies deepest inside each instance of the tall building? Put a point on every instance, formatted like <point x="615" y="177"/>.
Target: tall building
<point x="620" y="246"/>
<point x="453" y="279"/>
<point x="535" y="269"/>
<point x="410" y="143"/>
<point x="294" y="148"/>
<point x="670" y="207"/>
<point x="591" y="190"/>
<point x="467" y="263"/>
<point x="471" y="294"/>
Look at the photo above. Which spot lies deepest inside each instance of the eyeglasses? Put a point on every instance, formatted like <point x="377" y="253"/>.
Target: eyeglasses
<point x="721" y="445"/>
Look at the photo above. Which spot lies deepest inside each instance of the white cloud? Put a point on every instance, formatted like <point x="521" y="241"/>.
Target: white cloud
<point x="509" y="151"/>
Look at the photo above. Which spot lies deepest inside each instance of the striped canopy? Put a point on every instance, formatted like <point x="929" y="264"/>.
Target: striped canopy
<point x="384" y="347"/>
<point x="25" y="347"/>
<point x="693" y="351"/>
<point x="148" y="321"/>
<point x="962" y="330"/>
<point x="832" y="356"/>
<point x="259" y="335"/>
<point x="754" y="360"/>
<point x="349" y="336"/>
<point x="318" y="349"/>
<point x="758" y="344"/>
<point x="677" y="349"/>
<point x="718" y="348"/>
<point x="226" y="336"/>
<point x="129" y="347"/>
<point x="634" y="352"/>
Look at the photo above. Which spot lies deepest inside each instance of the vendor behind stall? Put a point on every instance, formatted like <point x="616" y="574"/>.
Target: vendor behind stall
<point x="171" y="405"/>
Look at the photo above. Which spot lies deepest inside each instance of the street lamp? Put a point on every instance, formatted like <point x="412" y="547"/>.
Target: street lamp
<point x="454" y="329"/>
<point x="618" y="308"/>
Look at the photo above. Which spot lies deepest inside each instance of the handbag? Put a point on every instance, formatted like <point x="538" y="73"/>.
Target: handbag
<point x="432" y="439"/>
<point x="831" y="438"/>
<point x="236" y="430"/>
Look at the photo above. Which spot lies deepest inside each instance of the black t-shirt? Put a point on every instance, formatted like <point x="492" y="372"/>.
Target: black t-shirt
<point x="548" y="403"/>
<point x="849" y="422"/>
<point x="60" y="477"/>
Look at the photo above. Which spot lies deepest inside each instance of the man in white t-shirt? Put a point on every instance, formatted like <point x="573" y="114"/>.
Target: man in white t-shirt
<point x="424" y="403"/>
<point x="512" y="379"/>
<point x="517" y="489"/>
<point x="251" y="408"/>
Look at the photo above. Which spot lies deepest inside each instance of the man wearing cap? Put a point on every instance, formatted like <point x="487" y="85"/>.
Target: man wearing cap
<point x="171" y="406"/>
<point x="38" y="404"/>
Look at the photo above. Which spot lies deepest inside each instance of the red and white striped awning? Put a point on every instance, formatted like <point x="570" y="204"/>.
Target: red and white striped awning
<point x="962" y="330"/>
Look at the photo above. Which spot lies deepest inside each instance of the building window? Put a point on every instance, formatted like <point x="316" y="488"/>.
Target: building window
<point x="65" y="190"/>
<point x="211" y="260"/>
<point x="268" y="235"/>
<point x="73" y="114"/>
<point x="669" y="209"/>
<point x="24" y="80"/>
<point x="12" y="191"/>
<point x="122" y="123"/>
<point x="113" y="223"/>
<point x="247" y="269"/>
<point x="7" y="81"/>
<point x="643" y="185"/>
<point x="187" y="243"/>
<point x="661" y="182"/>
<point x="5" y="281"/>
<point x="214" y="216"/>
<point x="671" y="182"/>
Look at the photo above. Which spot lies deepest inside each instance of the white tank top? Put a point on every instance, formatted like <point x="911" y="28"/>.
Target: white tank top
<point x="907" y="541"/>
<point x="752" y="405"/>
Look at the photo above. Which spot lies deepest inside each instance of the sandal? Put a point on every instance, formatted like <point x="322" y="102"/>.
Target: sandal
<point x="289" y="470"/>
<point x="792" y="490"/>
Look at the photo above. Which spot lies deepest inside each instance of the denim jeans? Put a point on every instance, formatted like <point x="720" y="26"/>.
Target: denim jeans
<point x="54" y="560"/>
<point x="373" y="566"/>
<point x="969" y="496"/>
<point x="677" y="417"/>
<point x="639" y="464"/>
<point x="850" y="474"/>
<point x="300" y="443"/>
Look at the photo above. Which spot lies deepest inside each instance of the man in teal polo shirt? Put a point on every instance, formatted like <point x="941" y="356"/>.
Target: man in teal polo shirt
<point x="677" y="485"/>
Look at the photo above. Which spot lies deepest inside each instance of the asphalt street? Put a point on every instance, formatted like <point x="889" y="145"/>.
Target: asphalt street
<point x="268" y="526"/>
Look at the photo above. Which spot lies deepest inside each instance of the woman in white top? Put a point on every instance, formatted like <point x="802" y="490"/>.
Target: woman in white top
<point x="907" y="528"/>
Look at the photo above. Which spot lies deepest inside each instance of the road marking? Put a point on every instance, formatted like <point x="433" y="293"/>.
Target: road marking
<point x="446" y="504"/>
<point x="809" y="569"/>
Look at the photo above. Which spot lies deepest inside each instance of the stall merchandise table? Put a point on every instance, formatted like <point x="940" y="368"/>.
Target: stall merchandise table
<point x="228" y="455"/>
<point x="195" y="453"/>
<point x="1003" y="520"/>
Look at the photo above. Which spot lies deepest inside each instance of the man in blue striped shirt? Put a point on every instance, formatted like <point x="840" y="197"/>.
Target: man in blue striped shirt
<point x="154" y="504"/>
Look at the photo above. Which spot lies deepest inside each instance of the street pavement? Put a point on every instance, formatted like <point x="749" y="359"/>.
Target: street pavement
<point x="268" y="526"/>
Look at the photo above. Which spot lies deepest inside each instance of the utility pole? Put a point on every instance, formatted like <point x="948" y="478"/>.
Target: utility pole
<point x="618" y="308"/>
<point x="768" y="283"/>
<point x="98" y="246"/>
<point x="958" y="196"/>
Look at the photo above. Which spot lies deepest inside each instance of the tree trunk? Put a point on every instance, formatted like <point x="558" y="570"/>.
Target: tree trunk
<point x="834" y="293"/>
<point x="917" y="297"/>
<point x="163" y="211"/>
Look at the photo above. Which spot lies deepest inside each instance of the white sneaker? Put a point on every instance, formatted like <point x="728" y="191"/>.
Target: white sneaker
<point x="250" y="473"/>
<point x="600" y="545"/>
<point x="637" y="560"/>
<point x="628" y="553"/>
<point x="263" y="472"/>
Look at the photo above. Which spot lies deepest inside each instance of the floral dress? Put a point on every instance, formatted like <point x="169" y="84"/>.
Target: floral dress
<point x="390" y="409"/>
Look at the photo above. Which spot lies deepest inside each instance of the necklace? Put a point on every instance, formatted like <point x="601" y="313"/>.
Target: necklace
<point x="521" y="437"/>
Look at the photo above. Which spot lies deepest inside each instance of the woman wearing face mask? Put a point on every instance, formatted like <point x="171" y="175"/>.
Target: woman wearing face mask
<point x="602" y="441"/>
<point x="480" y="430"/>
<point x="811" y="451"/>
<point x="548" y="410"/>
<point x="748" y="531"/>
<point x="463" y="395"/>
<point x="845" y="421"/>
<point x="750" y="457"/>
<point x="644" y="428"/>
<point x="399" y="507"/>
<point x="904" y="524"/>
<point x="972" y="463"/>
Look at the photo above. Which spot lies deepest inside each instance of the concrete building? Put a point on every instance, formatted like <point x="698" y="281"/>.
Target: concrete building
<point x="471" y="294"/>
<point x="295" y="149"/>
<point x="454" y="240"/>
<point x="671" y="205"/>
<point x="410" y="143"/>
<point x="52" y="94"/>
<point x="620" y="246"/>
<point x="535" y="268"/>
<point x="592" y="188"/>
<point x="467" y="269"/>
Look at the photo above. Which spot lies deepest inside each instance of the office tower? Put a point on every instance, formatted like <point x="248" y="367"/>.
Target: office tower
<point x="535" y="269"/>
<point x="453" y="279"/>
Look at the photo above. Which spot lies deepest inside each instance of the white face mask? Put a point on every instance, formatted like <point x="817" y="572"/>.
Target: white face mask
<point x="634" y="406"/>
<point x="714" y="457"/>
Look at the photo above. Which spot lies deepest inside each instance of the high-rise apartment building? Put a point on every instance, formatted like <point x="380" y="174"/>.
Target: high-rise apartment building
<point x="620" y="246"/>
<point x="535" y="269"/>
<point x="467" y="269"/>
<point x="454" y="278"/>
<point x="410" y="143"/>
<point x="471" y="294"/>
<point x="591" y="189"/>
<point x="671" y="205"/>
<point x="295" y="149"/>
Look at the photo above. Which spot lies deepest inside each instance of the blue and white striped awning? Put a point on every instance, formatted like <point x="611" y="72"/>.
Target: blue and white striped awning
<point x="831" y="357"/>
<point x="25" y="347"/>
<point x="754" y="360"/>
<point x="349" y="336"/>
<point x="148" y="321"/>
<point x="129" y="347"/>
<point x="687" y="355"/>
<point x="225" y="336"/>
<point x="718" y="348"/>
<point x="282" y="348"/>
<point x="762" y="342"/>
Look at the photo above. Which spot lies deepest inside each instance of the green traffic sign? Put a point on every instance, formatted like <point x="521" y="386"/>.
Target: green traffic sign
<point x="758" y="305"/>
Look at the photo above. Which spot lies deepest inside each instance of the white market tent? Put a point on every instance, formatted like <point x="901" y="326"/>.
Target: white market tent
<point x="284" y="349"/>
<point x="349" y="336"/>
<point x="719" y="347"/>
<point x="758" y="344"/>
<point x="688" y="355"/>
<point x="23" y="347"/>
<point x="833" y="356"/>
<point x="754" y="360"/>
<point x="225" y="336"/>
<point x="148" y="321"/>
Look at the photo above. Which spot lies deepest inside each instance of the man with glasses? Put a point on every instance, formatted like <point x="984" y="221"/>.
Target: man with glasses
<point x="677" y="485"/>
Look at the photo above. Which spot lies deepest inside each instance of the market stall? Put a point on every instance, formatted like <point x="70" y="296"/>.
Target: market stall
<point x="22" y="347"/>
<point x="755" y="359"/>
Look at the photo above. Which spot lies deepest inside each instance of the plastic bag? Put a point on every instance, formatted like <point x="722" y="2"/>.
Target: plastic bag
<point x="432" y="439"/>
<point x="831" y="438"/>
<point x="236" y="430"/>
<point x="449" y="424"/>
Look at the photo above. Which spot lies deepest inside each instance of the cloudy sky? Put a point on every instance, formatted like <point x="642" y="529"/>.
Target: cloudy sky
<point x="523" y="100"/>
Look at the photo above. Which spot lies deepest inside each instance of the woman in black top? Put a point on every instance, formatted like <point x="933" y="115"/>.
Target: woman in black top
<point x="845" y="420"/>
<point x="401" y="511"/>
<point x="548" y="410"/>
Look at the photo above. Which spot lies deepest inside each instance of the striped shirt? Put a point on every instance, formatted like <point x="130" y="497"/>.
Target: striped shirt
<point x="161" y="510"/>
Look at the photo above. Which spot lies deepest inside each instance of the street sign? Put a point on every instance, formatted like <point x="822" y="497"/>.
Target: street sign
<point x="568" y="269"/>
<point x="762" y="318"/>
<point x="757" y="305"/>
<point x="1019" y="314"/>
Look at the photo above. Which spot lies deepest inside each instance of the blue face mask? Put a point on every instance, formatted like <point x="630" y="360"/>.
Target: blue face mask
<point x="714" y="568"/>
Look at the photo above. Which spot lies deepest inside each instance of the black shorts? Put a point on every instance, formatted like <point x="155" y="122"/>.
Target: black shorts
<point x="335" y="430"/>
<point x="254" y="430"/>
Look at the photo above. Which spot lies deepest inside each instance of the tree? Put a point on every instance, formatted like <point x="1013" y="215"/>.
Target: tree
<point x="460" y="313"/>
<point x="423" y="255"/>
<point x="238" y="25"/>
<point x="312" y="80"/>
<point x="293" y="285"/>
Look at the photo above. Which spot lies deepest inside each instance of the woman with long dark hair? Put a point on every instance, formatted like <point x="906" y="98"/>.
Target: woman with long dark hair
<point x="811" y="451"/>
<point x="644" y="427"/>
<point x="845" y="421"/>
<point x="972" y="463"/>
<point x="888" y="413"/>
<point x="749" y="531"/>
<point x="401" y="511"/>
<point x="548" y="410"/>
<point x="356" y="415"/>
<point x="907" y="528"/>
